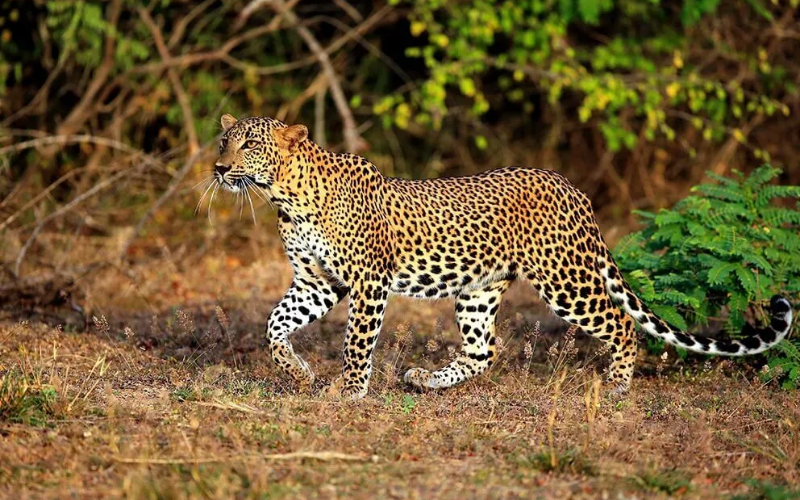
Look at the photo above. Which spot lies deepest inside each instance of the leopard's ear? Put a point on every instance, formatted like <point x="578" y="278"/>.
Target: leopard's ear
<point x="291" y="137"/>
<point x="227" y="121"/>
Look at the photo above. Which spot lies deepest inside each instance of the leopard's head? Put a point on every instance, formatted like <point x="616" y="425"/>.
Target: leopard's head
<point x="252" y="151"/>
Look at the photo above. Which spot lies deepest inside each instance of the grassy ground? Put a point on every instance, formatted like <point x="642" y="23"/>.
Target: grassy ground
<point x="169" y="394"/>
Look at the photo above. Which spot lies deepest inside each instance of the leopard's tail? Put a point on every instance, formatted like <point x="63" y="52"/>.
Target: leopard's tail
<point x="756" y="340"/>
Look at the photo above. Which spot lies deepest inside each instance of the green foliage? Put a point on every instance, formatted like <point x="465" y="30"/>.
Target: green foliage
<point x="635" y="81"/>
<point x="570" y="461"/>
<point x="408" y="404"/>
<point x="23" y="402"/>
<point x="729" y="245"/>
<point x="669" y="483"/>
<point x="762" y="490"/>
<point x="185" y="393"/>
<point x="726" y="248"/>
<point x="81" y="29"/>
<point x="784" y="366"/>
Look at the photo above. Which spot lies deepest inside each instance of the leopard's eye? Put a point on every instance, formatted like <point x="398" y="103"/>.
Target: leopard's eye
<point x="222" y="144"/>
<point x="250" y="144"/>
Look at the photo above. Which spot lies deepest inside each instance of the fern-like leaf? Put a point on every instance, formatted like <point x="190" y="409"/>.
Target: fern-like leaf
<point x="761" y="175"/>
<point x="747" y="279"/>
<point x="719" y="273"/>
<point x="721" y="192"/>
<point x="671" y="316"/>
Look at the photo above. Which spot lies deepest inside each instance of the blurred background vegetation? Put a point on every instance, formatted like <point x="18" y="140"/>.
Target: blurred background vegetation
<point x="109" y="109"/>
<point x="634" y="100"/>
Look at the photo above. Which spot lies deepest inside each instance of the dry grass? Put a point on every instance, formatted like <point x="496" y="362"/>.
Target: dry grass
<point x="156" y="401"/>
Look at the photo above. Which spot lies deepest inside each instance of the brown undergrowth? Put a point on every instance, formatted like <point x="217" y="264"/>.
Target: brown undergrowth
<point x="169" y="393"/>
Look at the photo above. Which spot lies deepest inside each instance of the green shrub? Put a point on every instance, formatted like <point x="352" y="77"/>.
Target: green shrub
<point x="763" y="490"/>
<point x="25" y="403"/>
<point x="525" y="55"/>
<point x="730" y="247"/>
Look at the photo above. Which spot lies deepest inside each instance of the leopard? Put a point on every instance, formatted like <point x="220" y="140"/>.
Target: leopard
<point x="350" y="231"/>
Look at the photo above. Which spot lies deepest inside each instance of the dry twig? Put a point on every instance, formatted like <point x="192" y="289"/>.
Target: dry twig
<point x="82" y="111"/>
<point x="353" y="140"/>
<point x="64" y="209"/>
<point x="172" y="74"/>
<point x="324" y="456"/>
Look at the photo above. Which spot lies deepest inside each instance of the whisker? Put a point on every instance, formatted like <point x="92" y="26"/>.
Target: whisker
<point x="263" y="194"/>
<point x="210" y="203"/>
<point x="250" y="199"/>
<point x="250" y="183"/>
<point x="200" y="202"/>
<point x="209" y="178"/>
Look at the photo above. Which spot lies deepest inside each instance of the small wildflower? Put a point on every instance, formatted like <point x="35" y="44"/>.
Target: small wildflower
<point x="154" y="326"/>
<point x="403" y="335"/>
<point x="501" y="345"/>
<point x="128" y="332"/>
<point x="223" y="319"/>
<point x="101" y="324"/>
<point x="432" y="346"/>
<point x="185" y="321"/>
<point x="570" y="351"/>
<point x="389" y="371"/>
<point x="553" y="351"/>
<point x="528" y="350"/>
<point x="438" y="327"/>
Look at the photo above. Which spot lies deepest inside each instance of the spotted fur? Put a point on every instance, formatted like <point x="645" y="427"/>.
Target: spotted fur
<point x="348" y="229"/>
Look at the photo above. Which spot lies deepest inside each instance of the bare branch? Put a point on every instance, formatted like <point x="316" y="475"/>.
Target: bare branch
<point x="289" y="110"/>
<point x="62" y="59"/>
<point x="223" y="53"/>
<point x="251" y="7"/>
<point x="319" y="117"/>
<point x="353" y="141"/>
<point x="180" y="93"/>
<point x="80" y="113"/>
<point x="11" y="218"/>
<point x="180" y="27"/>
<point x="356" y="34"/>
<point x="66" y="208"/>
<point x="349" y="10"/>
<point x="255" y="5"/>
<point x="46" y="140"/>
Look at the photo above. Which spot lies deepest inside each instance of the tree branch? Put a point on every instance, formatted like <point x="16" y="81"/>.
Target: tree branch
<point x="319" y="117"/>
<point x="353" y="140"/>
<point x="80" y="113"/>
<point x="66" y="208"/>
<point x="180" y="93"/>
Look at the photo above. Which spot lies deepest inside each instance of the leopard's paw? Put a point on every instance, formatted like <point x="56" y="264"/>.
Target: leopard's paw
<point x="419" y="378"/>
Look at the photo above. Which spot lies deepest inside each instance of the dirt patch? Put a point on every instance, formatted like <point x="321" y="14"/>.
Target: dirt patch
<point x="187" y="405"/>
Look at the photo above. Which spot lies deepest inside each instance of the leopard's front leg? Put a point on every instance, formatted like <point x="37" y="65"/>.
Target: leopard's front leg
<point x="309" y="297"/>
<point x="367" y="308"/>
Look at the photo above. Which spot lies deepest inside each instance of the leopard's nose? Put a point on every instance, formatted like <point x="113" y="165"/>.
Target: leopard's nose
<point x="221" y="169"/>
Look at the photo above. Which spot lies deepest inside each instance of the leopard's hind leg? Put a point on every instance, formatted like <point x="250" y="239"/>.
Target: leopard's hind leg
<point x="586" y="304"/>
<point x="475" y="314"/>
